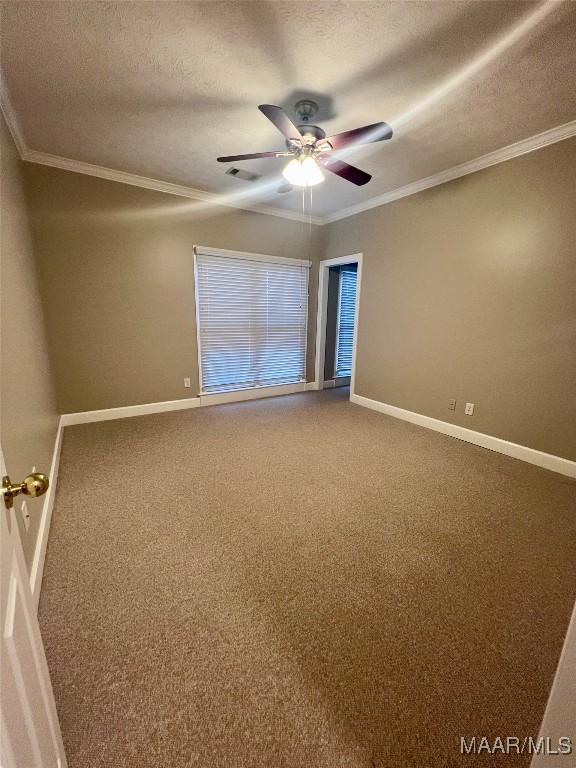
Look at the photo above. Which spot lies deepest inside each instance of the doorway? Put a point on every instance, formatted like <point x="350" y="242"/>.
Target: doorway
<point x="339" y="283"/>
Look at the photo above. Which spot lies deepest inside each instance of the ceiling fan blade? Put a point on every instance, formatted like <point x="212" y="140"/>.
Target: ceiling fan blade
<point x="365" y="135"/>
<point x="255" y="156"/>
<point x="281" y="120"/>
<point x="345" y="171"/>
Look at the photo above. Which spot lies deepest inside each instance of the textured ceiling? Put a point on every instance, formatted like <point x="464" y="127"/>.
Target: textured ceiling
<point x="161" y="89"/>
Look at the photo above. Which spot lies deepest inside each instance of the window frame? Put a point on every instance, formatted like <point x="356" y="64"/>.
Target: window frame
<point x="201" y="250"/>
<point x="340" y="281"/>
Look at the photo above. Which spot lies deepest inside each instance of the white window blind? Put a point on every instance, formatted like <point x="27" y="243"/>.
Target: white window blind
<point x="346" y="317"/>
<point x="252" y="318"/>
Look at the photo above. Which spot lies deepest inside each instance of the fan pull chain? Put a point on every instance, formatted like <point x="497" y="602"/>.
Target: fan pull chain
<point x="310" y="226"/>
<point x="309" y="216"/>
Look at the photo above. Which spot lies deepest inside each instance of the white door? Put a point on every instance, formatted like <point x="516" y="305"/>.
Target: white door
<point x="29" y="731"/>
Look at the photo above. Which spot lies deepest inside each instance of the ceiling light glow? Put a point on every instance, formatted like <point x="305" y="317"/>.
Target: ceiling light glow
<point x="303" y="172"/>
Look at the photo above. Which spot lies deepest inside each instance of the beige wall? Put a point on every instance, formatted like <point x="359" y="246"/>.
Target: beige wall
<point x="469" y="291"/>
<point x="118" y="283"/>
<point x="29" y="417"/>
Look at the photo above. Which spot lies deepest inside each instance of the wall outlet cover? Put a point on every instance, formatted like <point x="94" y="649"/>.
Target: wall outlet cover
<point x="452" y="404"/>
<point x="187" y="382"/>
<point x="469" y="409"/>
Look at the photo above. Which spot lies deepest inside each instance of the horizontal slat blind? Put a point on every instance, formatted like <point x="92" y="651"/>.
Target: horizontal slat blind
<point x="252" y="317"/>
<point x="346" y="315"/>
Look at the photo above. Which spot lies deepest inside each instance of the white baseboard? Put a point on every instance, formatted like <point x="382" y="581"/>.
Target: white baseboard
<point x="37" y="568"/>
<point x="522" y="452"/>
<point x="108" y="414"/>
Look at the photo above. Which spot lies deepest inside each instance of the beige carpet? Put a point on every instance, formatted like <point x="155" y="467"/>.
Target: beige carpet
<point x="303" y="583"/>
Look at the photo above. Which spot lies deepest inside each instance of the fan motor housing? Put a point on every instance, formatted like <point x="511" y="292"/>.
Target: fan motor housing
<point x="306" y="109"/>
<point x="311" y="134"/>
<point x="312" y="130"/>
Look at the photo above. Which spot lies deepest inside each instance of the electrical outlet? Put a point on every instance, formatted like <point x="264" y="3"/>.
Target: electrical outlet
<point x="469" y="409"/>
<point x="452" y="404"/>
<point x="187" y="382"/>
<point x="25" y="515"/>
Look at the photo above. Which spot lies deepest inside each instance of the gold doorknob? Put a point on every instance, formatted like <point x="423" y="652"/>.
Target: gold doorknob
<point x="35" y="484"/>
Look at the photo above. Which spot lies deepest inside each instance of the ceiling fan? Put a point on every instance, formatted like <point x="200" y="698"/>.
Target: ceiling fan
<point x="310" y="148"/>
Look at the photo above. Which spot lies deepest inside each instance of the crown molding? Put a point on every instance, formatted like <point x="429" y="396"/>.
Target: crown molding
<point x="530" y="144"/>
<point x="523" y="147"/>
<point x="123" y="177"/>
<point x="77" y="166"/>
<point x="540" y="140"/>
<point x="11" y="117"/>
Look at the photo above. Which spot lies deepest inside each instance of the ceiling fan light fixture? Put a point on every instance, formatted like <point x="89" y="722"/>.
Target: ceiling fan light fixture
<point x="308" y="143"/>
<point x="303" y="172"/>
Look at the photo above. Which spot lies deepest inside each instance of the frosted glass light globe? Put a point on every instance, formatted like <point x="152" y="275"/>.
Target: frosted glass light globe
<point x="303" y="172"/>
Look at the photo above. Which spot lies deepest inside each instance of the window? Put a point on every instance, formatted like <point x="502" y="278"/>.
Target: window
<point x="252" y="320"/>
<point x="346" y="318"/>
